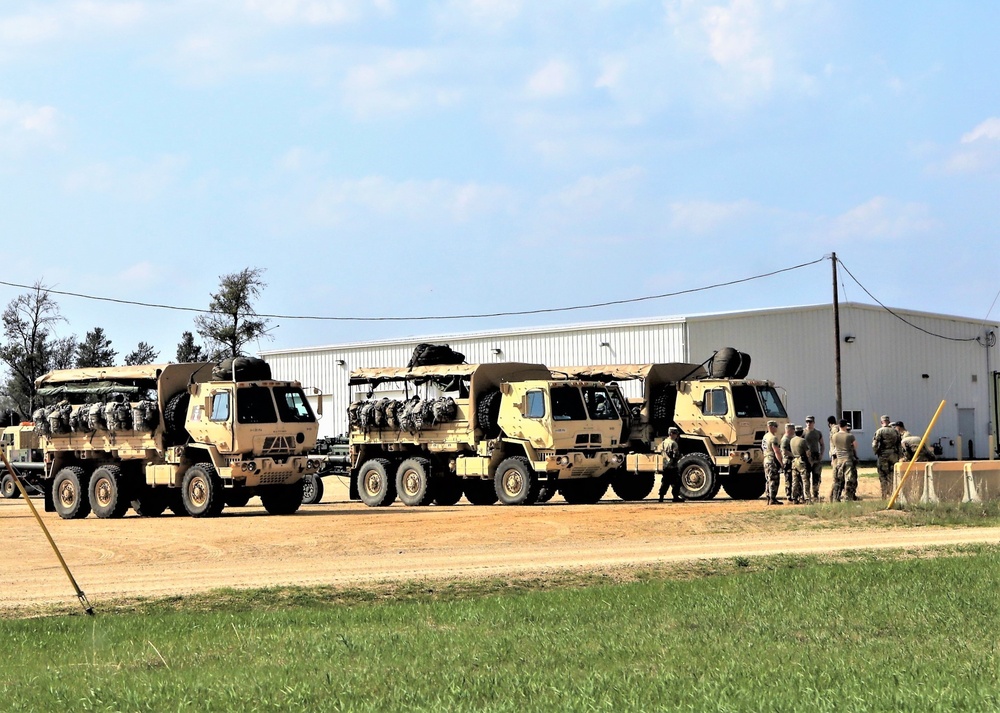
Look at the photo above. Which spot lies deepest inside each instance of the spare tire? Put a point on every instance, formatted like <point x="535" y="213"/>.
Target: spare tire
<point x="488" y="412"/>
<point x="242" y="369"/>
<point x="175" y="418"/>
<point x="742" y="367"/>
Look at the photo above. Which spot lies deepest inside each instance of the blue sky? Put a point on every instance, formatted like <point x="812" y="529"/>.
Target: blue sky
<point x="381" y="158"/>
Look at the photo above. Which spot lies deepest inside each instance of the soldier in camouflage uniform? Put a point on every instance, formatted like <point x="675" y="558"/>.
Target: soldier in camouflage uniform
<point x="815" y="440"/>
<point x="670" y="449"/>
<point x="888" y="448"/>
<point x="772" y="462"/>
<point x="845" y="449"/>
<point x="801" y="464"/>
<point x="786" y="460"/>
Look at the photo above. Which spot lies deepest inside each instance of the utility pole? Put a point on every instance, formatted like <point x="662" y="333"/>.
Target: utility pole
<point x="836" y="338"/>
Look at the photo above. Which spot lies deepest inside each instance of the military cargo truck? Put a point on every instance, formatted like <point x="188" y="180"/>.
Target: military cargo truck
<point x="20" y="445"/>
<point x="507" y="432"/>
<point x="185" y="436"/>
<point x="722" y="422"/>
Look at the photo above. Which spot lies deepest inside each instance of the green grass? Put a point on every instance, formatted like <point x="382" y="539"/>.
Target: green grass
<point x="873" y="513"/>
<point x="859" y="632"/>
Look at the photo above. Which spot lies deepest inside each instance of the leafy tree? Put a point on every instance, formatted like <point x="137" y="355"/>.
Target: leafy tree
<point x="232" y="322"/>
<point x="143" y="354"/>
<point x="62" y="353"/>
<point x="188" y="351"/>
<point x="95" y="350"/>
<point x="27" y="327"/>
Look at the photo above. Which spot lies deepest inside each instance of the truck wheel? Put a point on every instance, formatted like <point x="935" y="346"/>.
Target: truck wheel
<point x="202" y="491"/>
<point x="516" y="482"/>
<point x="413" y="481"/>
<point x="237" y="497"/>
<point x="632" y="486"/>
<point x="312" y="489"/>
<point x="745" y="487"/>
<point x="480" y="492"/>
<point x="151" y="502"/>
<point x="69" y="493"/>
<point x="175" y="502"/>
<point x="487" y="413"/>
<point x="584" y="492"/>
<point x="547" y="492"/>
<point x="174" y="418"/>
<point x="448" y="490"/>
<point x="699" y="480"/>
<point x="8" y="488"/>
<point x="107" y="493"/>
<point x="376" y="488"/>
<point x="282" y="499"/>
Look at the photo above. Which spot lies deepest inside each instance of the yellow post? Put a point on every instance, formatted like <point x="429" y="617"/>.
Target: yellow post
<point x="24" y="494"/>
<point x="920" y="449"/>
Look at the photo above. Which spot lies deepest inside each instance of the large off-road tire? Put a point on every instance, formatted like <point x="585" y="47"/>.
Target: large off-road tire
<point x="699" y="479"/>
<point x="749" y="486"/>
<point x="631" y="486"/>
<point x="723" y="363"/>
<point x="376" y="487"/>
<point x="238" y="497"/>
<point x="743" y="368"/>
<point x="413" y="482"/>
<point x="584" y="492"/>
<point x="282" y="499"/>
<point x="174" y="418"/>
<point x="480" y="492"/>
<point x="488" y="412"/>
<point x="547" y="492"/>
<point x="108" y="492"/>
<point x="8" y="488"/>
<point x="69" y="493"/>
<point x="517" y="482"/>
<point x="150" y="502"/>
<point x="448" y="490"/>
<point x="312" y="489"/>
<point x="202" y="491"/>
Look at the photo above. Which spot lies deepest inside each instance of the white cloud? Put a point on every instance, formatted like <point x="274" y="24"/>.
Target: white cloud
<point x="129" y="180"/>
<point x="978" y="149"/>
<point x="395" y="82"/>
<point x="989" y="130"/>
<point x="24" y="124"/>
<point x="702" y="217"/>
<point x="554" y="79"/>
<point x="488" y="15"/>
<point x="882" y="217"/>
<point x="590" y="194"/>
<point x="418" y="202"/>
<point x="50" y="22"/>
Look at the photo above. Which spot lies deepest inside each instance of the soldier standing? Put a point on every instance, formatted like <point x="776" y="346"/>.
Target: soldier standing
<point x="786" y="460"/>
<point x="801" y="464"/>
<point x="815" y="440"/>
<point x="845" y="449"/>
<point x="670" y="449"/>
<point x="888" y="449"/>
<point x="772" y="462"/>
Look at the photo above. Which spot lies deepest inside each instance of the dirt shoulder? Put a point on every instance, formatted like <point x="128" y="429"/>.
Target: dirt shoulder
<point x="343" y="543"/>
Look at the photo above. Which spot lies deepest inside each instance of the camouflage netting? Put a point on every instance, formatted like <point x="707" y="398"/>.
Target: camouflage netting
<point x="412" y="415"/>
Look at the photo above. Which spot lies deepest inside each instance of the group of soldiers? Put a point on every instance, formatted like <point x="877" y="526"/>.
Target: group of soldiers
<point x="798" y="456"/>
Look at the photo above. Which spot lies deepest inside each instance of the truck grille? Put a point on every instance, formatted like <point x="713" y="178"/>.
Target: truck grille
<point x="277" y="445"/>
<point x="588" y="439"/>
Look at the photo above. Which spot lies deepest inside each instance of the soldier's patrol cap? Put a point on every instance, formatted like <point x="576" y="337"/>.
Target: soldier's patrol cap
<point x="790" y="425"/>
<point x="673" y="429"/>
<point x="772" y="423"/>
<point x="810" y="418"/>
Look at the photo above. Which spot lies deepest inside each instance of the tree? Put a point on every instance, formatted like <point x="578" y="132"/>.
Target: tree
<point x="188" y="351"/>
<point x="27" y="328"/>
<point x="62" y="353"/>
<point x="95" y="350"/>
<point x="232" y="322"/>
<point x="143" y="354"/>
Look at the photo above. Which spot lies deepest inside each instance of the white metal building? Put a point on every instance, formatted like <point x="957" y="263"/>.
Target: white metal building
<point x="888" y="365"/>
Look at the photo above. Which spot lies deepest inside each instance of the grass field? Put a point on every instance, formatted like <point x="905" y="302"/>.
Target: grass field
<point x="859" y="632"/>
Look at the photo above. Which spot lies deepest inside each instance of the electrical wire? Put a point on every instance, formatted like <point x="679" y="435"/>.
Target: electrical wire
<point x="900" y="317"/>
<point x="549" y="310"/>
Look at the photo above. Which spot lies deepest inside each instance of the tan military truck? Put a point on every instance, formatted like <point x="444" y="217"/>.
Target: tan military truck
<point x="722" y="422"/>
<point x="20" y="445"/>
<point x="183" y="436"/>
<point x="507" y="432"/>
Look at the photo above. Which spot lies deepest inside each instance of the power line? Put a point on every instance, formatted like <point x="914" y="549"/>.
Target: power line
<point x="900" y="317"/>
<point x="548" y="310"/>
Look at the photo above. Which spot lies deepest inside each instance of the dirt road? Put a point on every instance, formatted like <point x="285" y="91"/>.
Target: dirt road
<point x="339" y="542"/>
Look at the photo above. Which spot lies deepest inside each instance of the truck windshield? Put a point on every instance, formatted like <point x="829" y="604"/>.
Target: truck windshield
<point x="292" y="405"/>
<point x="599" y="405"/>
<point x="567" y="404"/>
<point x="254" y="405"/>
<point x="772" y="402"/>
